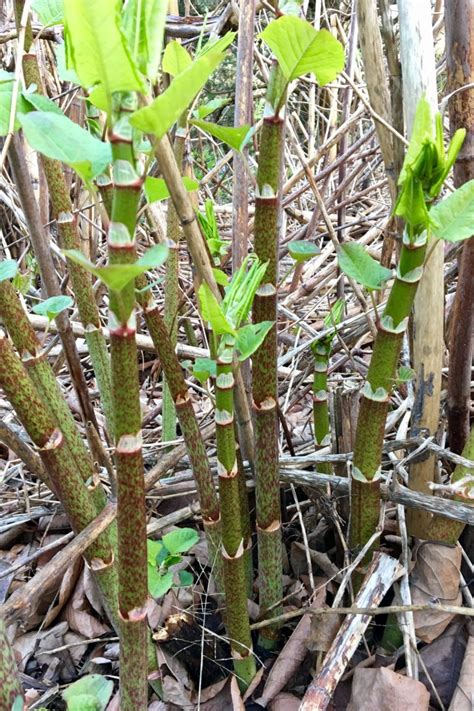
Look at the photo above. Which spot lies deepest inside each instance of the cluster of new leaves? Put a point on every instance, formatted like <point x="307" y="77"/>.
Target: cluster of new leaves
<point x="166" y="553"/>
<point x="423" y="174"/>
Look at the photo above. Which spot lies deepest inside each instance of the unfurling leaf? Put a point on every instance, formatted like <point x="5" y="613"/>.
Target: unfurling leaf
<point x="180" y="540"/>
<point x="453" y="218"/>
<point x="335" y="314"/>
<point x="144" y="26"/>
<point x="250" y="338"/>
<point x="357" y="264"/>
<point x="235" y="137"/>
<point x="97" y="50"/>
<point x="117" y="276"/>
<point x="53" y="306"/>
<point x="156" y="188"/>
<point x="302" y="250"/>
<point x="176" y="58"/>
<point x="212" y="311"/>
<point x="300" y="49"/>
<point x="165" y="110"/>
<point x="57" y="137"/>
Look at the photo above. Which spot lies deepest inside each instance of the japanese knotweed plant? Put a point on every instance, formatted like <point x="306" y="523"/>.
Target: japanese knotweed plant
<point x="233" y="340"/>
<point x="424" y="171"/>
<point x="321" y="350"/>
<point x="113" y="51"/>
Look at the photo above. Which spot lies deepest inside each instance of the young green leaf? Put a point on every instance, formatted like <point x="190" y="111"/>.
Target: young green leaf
<point x="57" y="137"/>
<point x="53" y="306"/>
<point x="156" y="188"/>
<point x="203" y="369"/>
<point x="206" y="109"/>
<point x="405" y="374"/>
<point x="117" y="276"/>
<point x="335" y="314"/>
<point x="300" y="49"/>
<point x="176" y="58"/>
<point x="221" y="277"/>
<point x="8" y="269"/>
<point x="250" y="338"/>
<point x="97" y="50"/>
<point x="422" y="131"/>
<point x="411" y="205"/>
<point x="186" y="578"/>
<point x="65" y="74"/>
<point x="235" y="137"/>
<point x="302" y="250"/>
<point x="212" y="311"/>
<point x="50" y="12"/>
<point x="453" y="218"/>
<point x="144" y="26"/>
<point x="158" y="584"/>
<point x="91" y="692"/>
<point x="165" y="110"/>
<point x="357" y="264"/>
<point x="30" y="101"/>
<point x="6" y="91"/>
<point x="180" y="540"/>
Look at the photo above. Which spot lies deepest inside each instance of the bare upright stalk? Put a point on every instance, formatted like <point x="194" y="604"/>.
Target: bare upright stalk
<point x="265" y="384"/>
<point x="131" y="515"/>
<point x="235" y="569"/>
<point x="459" y="19"/>
<point x="65" y="477"/>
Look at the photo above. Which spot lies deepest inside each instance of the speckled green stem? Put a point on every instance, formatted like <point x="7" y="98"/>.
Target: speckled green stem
<point x="264" y="388"/>
<point x="131" y="511"/>
<point x="189" y="425"/>
<point x="68" y="485"/>
<point x="365" y="483"/>
<point x="66" y="220"/>
<point x="322" y="433"/>
<point x="24" y="338"/>
<point x="173" y="230"/>
<point x="10" y="687"/>
<point x="233" y="552"/>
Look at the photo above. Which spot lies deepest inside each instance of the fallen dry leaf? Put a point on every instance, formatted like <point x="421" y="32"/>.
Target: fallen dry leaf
<point x="463" y="697"/>
<point x="443" y="659"/>
<point x="385" y="690"/>
<point x="324" y="628"/>
<point x="237" y="703"/>
<point x="66" y="588"/>
<point x="288" y="661"/>
<point x="78" y="615"/>
<point x="435" y="578"/>
<point x="284" y="702"/>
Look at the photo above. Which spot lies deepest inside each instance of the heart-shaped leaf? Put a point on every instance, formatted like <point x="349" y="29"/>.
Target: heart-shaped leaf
<point x="453" y="218"/>
<point x="300" y="49"/>
<point x="203" y="369"/>
<point x="180" y="540"/>
<point x="302" y="250"/>
<point x="251" y="337"/>
<point x="53" y="306"/>
<point x="237" y="138"/>
<point x="158" y="585"/>
<point x="357" y="264"/>
<point x="156" y="188"/>
<point x="57" y="137"/>
<point x="117" y="276"/>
